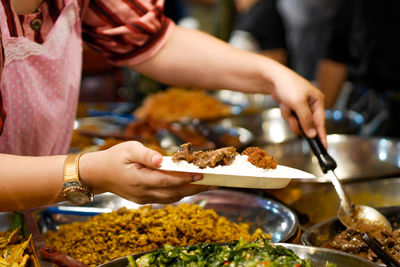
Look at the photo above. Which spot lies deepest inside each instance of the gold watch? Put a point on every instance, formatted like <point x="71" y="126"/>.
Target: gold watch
<point x="73" y="190"/>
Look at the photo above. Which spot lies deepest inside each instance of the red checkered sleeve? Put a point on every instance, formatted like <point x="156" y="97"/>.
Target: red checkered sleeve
<point x="127" y="32"/>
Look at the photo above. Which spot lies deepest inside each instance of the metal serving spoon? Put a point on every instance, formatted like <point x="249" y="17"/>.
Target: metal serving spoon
<point x="359" y="217"/>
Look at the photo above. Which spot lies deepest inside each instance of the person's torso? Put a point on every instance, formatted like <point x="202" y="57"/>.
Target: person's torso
<point x="375" y="44"/>
<point x="42" y="55"/>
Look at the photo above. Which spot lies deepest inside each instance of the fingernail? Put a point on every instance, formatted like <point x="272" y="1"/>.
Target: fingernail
<point x="212" y="188"/>
<point x="312" y="132"/>
<point x="155" y="160"/>
<point x="197" y="177"/>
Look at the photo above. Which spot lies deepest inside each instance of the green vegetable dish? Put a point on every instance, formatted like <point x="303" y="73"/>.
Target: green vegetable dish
<point x="238" y="253"/>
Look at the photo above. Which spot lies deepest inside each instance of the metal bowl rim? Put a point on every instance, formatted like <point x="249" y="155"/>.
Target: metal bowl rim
<point x="304" y="237"/>
<point x="326" y="250"/>
<point x="286" y="245"/>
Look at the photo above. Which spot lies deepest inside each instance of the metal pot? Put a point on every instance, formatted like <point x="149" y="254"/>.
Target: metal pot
<point x="320" y="233"/>
<point x="357" y="157"/>
<point x="343" y="122"/>
<point x="269" y="127"/>
<point x="319" y="201"/>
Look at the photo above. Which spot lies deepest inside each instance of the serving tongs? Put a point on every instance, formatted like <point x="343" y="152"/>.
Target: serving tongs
<point x="349" y="214"/>
<point x="378" y="249"/>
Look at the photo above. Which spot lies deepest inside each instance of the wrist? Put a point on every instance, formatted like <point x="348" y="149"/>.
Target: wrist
<point x="270" y="73"/>
<point x="280" y="77"/>
<point x="88" y="170"/>
<point x="73" y="189"/>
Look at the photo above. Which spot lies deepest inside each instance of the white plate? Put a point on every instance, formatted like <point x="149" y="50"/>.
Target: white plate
<point x="240" y="174"/>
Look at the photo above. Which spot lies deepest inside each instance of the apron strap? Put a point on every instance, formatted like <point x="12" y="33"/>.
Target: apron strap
<point x="6" y="19"/>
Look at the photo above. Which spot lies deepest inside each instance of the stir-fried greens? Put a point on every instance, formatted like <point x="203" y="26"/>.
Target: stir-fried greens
<point x="237" y="253"/>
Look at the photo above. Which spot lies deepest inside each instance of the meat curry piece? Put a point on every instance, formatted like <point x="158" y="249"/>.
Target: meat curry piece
<point x="259" y="158"/>
<point x="203" y="159"/>
<point x="350" y="241"/>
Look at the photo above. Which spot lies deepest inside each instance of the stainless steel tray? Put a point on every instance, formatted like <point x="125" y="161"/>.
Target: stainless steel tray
<point x="271" y="216"/>
<point x="318" y="256"/>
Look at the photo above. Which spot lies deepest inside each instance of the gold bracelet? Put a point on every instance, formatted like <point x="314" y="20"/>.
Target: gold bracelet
<point x="71" y="167"/>
<point x="73" y="190"/>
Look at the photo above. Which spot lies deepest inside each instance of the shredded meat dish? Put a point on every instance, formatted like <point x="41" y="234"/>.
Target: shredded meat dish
<point x="204" y="159"/>
<point x="258" y="157"/>
<point x="351" y="241"/>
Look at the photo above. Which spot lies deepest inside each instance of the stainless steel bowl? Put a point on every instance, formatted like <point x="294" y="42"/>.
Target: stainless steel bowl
<point x="272" y="217"/>
<point x="343" y="122"/>
<point x="267" y="126"/>
<point x="242" y="101"/>
<point x="358" y="158"/>
<point x="318" y="256"/>
<point x="325" y="231"/>
<point x="322" y="232"/>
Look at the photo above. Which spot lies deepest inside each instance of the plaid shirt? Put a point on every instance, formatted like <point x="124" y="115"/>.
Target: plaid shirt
<point x="126" y="32"/>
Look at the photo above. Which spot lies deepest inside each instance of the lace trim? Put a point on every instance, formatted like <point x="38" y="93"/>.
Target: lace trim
<point x="21" y="48"/>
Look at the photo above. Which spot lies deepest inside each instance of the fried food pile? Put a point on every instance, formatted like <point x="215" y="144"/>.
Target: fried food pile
<point x="124" y="232"/>
<point x="177" y="103"/>
<point x="258" y="157"/>
<point x="15" y="250"/>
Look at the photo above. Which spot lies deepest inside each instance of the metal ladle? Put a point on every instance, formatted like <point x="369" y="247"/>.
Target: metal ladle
<point x="349" y="214"/>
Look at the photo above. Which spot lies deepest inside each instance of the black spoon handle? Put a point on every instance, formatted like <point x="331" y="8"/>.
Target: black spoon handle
<point x="326" y="162"/>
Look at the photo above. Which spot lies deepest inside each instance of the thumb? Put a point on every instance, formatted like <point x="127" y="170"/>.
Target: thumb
<point x="140" y="154"/>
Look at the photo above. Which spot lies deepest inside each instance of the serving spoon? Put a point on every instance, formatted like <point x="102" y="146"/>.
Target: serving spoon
<point x="360" y="217"/>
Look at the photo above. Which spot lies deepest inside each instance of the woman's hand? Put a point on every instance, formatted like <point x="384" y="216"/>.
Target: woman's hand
<point x="128" y="170"/>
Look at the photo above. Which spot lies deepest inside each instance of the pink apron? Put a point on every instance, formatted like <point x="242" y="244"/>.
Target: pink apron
<point x="40" y="87"/>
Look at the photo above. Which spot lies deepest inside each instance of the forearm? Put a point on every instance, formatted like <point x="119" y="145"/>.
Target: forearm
<point x="194" y="59"/>
<point x="127" y="169"/>
<point x="30" y="181"/>
<point x="191" y="58"/>
<point x="331" y="77"/>
<point x="277" y="54"/>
